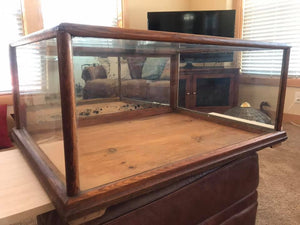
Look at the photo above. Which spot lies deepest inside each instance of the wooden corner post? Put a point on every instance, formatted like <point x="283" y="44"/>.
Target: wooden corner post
<point x="119" y="78"/>
<point x="68" y="107"/>
<point x="15" y="84"/>
<point x="282" y="88"/>
<point x="174" y="80"/>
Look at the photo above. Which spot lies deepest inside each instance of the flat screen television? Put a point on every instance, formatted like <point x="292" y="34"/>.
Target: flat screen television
<point x="217" y="23"/>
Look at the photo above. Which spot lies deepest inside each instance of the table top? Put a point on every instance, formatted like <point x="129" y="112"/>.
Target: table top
<point x="21" y="194"/>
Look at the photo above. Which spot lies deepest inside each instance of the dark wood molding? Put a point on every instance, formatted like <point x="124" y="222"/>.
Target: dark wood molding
<point x="36" y="37"/>
<point x="174" y="79"/>
<point x="282" y="89"/>
<point x="68" y="110"/>
<point x="54" y="187"/>
<point x="15" y="84"/>
<point x="119" y="79"/>
<point x="122" y="33"/>
<point x="121" y="116"/>
<point x="259" y="80"/>
<point x="205" y="71"/>
<point x="116" y="52"/>
<point x="117" y="33"/>
<point x="238" y="5"/>
<point x="224" y="121"/>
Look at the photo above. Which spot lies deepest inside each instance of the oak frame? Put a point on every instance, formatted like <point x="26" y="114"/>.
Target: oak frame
<point x="71" y="203"/>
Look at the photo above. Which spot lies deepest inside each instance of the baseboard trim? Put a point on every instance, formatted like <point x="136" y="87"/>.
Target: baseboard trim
<point x="291" y="118"/>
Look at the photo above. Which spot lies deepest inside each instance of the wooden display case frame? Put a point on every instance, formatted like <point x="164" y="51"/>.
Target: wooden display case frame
<point x="72" y="203"/>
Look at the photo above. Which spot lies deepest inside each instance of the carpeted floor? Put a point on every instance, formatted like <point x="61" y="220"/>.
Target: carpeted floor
<point x="279" y="187"/>
<point x="279" y="184"/>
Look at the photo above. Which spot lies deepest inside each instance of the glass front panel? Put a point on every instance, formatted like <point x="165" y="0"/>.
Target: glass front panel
<point x="40" y="103"/>
<point x="124" y="124"/>
<point x="126" y="93"/>
<point x="115" y="80"/>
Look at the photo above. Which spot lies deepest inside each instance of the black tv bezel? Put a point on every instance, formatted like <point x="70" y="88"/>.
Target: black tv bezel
<point x="190" y="58"/>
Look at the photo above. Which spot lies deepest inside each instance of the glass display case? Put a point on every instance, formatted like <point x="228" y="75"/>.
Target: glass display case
<point x="108" y="114"/>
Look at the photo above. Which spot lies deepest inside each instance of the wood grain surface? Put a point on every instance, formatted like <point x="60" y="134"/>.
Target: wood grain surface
<point x="113" y="151"/>
<point x="21" y="194"/>
<point x="68" y="110"/>
<point x="282" y="89"/>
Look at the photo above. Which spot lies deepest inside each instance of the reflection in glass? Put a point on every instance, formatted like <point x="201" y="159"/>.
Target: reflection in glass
<point x="212" y="91"/>
<point x="114" y="87"/>
<point x="237" y="90"/>
<point x="40" y="99"/>
<point x="108" y="83"/>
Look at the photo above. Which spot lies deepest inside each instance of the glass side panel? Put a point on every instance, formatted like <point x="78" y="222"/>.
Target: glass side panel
<point x="115" y="83"/>
<point x="40" y="100"/>
<point x="218" y="83"/>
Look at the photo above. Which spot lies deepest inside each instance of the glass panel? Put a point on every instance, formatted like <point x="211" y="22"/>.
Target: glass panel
<point x="110" y="83"/>
<point x="124" y="124"/>
<point x="212" y="92"/>
<point x="115" y="80"/>
<point x="40" y="100"/>
<point x="149" y="81"/>
<point x="259" y="86"/>
<point x="215" y="84"/>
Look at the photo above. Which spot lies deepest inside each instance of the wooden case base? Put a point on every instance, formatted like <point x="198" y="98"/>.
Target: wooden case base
<point x="226" y="194"/>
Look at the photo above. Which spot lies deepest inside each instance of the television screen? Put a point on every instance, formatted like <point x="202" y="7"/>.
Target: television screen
<point x="216" y="23"/>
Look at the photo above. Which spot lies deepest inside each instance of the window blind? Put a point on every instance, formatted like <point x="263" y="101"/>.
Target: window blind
<point x="33" y="59"/>
<point x="12" y="29"/>
<point x="32" y="62"/>
<point x="271" y="21"/>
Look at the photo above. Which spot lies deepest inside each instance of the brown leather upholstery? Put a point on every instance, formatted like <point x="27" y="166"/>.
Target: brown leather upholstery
<point x="225" y="195"/>
<point x="104" y="88"/>
<point x="157" y="91"/>
<point x="243" y="210"/>
<point x="220" y="196"/>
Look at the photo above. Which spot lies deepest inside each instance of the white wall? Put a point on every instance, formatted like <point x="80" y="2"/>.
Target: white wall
<point x="135" y="11"/>
<point x="210" y="4"/>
